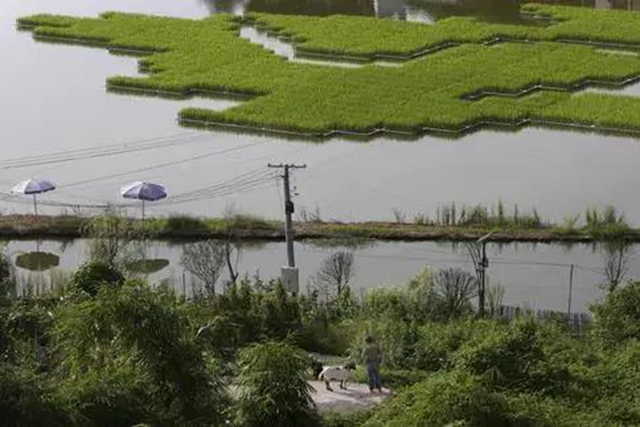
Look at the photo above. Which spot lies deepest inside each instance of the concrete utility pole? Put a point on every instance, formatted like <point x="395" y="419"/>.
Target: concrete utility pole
<point x="289" y="274"/>
<point x="570" y="293"/>
<point x="478" y="252"/>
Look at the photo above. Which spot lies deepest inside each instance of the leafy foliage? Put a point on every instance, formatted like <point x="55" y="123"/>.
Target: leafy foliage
<point x="618" y="318"/>
<point x="273" y="387"/>
<point x="134" y="347"/>
<point x="93" y="275"/>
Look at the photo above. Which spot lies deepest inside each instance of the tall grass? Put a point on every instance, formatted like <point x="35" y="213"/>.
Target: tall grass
<point x="480" y="216"/>
<point x="188" y="56"/>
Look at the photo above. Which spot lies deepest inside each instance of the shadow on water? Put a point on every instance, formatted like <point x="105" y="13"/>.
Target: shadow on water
<point x="37" y="261"/>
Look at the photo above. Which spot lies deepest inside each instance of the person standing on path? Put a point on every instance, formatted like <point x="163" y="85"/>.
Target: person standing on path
<point x="372" y="358"/>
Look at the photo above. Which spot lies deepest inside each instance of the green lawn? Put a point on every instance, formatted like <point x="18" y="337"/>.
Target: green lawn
<point x="190" y="56"/>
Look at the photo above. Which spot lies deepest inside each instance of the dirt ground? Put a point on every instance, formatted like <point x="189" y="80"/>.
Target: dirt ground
<point x="356" y="398"/>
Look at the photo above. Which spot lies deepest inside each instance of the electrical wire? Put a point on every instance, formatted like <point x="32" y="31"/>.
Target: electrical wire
<point x="98" y="152"/>
<point x="159" y="166"/>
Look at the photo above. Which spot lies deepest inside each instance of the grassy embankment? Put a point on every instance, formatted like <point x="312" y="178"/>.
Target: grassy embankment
<point x="466" y="224"/>
<point x="206" y="56"/>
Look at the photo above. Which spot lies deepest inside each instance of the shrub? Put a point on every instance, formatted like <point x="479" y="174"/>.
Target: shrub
<point x="94" y="275"/>
<point x="438" y="342"/>
<point x="618" y="390"/>
<point x="335" y="419"/>
<point x="458" y="398"/>
<point x="184" y="223"/>
<point x="273" y="388"/>
<point x="454" y="398"/>
<point x="386" y="303"/>
<point x="136" y="345"/>
<point x="280" y="313"/>
<point x="396" y="340"/>
<point x="514" y="357"/>
<point x="394" y="378"/>
<point x="618" y="318"/>
<point x="25" y="402"/>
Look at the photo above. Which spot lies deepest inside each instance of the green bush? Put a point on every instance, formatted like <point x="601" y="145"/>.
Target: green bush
<point x="92" y="276"/>
<point x="396" y="340"/>
<point x="395" y="378"/>
<point x="618" y="392"/>
<point x="618" y="318"/>
<point x="136" y="345"/>
<point x="26" y="401"/>
<point x="273" y="388"/>
<point x="454" y="398"/>
<point x="182" y="223"/>
<point x="334" y="419"/>
<point x="515" y="357"/>
<point x="438" y="343"/>
<point x="458" y="398"/>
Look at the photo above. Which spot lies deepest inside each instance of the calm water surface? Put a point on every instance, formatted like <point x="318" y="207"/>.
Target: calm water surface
<point x="54" y="99"/>
<point x="534" y="276"/>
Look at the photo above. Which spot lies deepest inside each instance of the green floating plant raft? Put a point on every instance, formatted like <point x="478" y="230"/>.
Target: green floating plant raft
<point x="455" y="81"/>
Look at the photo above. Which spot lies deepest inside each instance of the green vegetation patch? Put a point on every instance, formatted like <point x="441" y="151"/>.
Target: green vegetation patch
<point x="370" y="37"/>
<point x="428" y="94"/>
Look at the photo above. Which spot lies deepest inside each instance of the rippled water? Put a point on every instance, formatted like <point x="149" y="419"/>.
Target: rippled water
<point x="54" y="99"/>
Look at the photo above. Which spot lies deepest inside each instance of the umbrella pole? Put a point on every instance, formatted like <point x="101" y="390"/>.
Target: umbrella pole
<point x="142" y="209"/>
<point x="35" y="205"/>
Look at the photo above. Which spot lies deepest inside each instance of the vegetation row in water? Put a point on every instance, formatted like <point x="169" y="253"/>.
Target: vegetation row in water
<point x="192" y="56"/>
<point x="368" y="37"/>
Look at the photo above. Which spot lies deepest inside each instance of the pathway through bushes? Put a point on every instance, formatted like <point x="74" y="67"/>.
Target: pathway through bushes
<point x="357" y="397"/>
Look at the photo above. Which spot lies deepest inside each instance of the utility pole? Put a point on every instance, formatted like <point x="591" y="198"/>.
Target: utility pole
<point x="570" y="293"/>
<point x="289" y="274"/>
<point x="478" y="252"/>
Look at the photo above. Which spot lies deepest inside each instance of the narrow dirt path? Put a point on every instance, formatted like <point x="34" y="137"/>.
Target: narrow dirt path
<point x="357" y="397"/>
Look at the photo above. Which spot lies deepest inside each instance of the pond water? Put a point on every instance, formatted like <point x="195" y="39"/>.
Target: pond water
<point x="54" y="100"/>
<point x="533" y="275"/>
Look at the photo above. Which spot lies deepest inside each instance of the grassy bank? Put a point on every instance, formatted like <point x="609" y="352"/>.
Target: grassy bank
<point x="242" y="227"/>
<point x="207" y="56"/>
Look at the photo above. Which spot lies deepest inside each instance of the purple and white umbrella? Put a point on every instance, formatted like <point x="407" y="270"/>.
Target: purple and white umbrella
<point x="144" y="191"/>
<point x="34" y="187"/>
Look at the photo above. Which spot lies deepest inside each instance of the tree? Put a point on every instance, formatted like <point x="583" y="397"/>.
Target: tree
<point x="335" y="272"/>
<point x="616" y="256"/>
<point x="205" y="260"/>
<point x="232" y="249"/>
<point x="110" y="237"/>
<point x="273" y="388"/>
<point x="454" y="288"/>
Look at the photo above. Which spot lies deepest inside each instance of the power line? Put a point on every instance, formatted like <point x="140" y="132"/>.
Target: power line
<point x="97" y="152"/>
<point x="160" y="165"/>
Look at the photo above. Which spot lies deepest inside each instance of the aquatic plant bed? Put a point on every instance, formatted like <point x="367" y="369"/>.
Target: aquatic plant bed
<point x="449" y="91"/>
<point x="257" y="229"/>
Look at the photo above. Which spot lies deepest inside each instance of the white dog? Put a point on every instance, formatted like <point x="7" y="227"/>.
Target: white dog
<point x="336" y="373"/>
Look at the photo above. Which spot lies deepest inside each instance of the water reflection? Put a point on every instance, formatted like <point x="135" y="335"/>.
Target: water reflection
<point x="533" y="275"/>
<point x="37" y="261"/>
<point x="425" y="11"/>
<point x="147" y="266"/>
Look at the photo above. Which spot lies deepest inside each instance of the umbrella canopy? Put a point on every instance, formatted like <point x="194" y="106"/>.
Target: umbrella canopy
<point x="144" y="191"/>
<point x="33" y="186"/>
